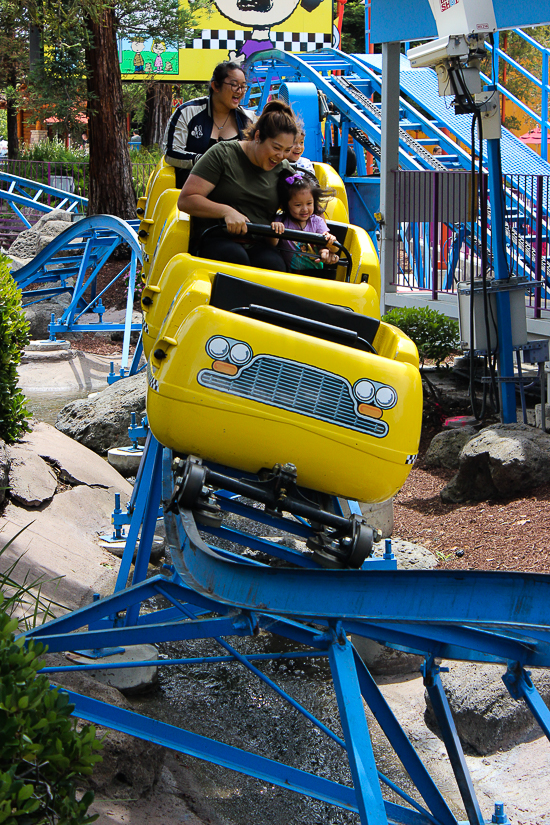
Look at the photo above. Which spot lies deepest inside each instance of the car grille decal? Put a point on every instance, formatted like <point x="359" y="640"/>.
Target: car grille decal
<point x="297" y="388"/>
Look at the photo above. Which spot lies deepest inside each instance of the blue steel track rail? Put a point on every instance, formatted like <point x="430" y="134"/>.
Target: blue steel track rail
<point x="421" y="109"/>
<point x="85" y="246"/>
<point x="16" y="196"/>
<point x="212" y="593"/>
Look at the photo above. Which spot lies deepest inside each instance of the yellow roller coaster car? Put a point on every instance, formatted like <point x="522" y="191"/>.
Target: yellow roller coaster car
<point x="251" y="368"/>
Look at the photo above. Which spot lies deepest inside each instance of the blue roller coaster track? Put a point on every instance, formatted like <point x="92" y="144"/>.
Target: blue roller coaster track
<point x="213" y="591"/>
<point x="70" y="264"/>
<point x="350" y="85"/>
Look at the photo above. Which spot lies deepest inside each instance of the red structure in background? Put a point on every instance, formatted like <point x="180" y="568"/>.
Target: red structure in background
<point x="340" y="17"/>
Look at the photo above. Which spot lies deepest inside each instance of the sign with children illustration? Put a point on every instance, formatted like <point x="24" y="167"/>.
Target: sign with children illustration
<point x="231" y="30"/>
<point x="143" y="56"/>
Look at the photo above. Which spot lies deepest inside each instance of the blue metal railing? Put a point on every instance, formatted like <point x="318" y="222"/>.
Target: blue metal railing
<point x="435" y="247"/>
<point x="541" y="84"/>
<point x="70" y="176"/>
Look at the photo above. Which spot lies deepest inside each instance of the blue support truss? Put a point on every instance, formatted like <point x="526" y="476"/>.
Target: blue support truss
<point x="79" y="253"/>
<point x="214" y="593"/>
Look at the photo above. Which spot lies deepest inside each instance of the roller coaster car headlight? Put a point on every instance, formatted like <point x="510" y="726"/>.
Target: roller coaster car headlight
<point x="386" y="397"/>
<point x="364" y="390"/>
<point x="240" y="354"/>
<point x="217" y="347"/>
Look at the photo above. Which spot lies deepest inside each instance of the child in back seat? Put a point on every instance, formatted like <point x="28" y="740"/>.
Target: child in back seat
<point x="303" y="203"/>
<point x="296" y="154"/>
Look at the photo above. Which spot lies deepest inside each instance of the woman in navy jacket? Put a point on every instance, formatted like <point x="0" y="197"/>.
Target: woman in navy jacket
<point x="200" y="123"/>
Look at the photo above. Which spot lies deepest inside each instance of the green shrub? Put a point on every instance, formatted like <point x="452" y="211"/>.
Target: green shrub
<point x="54" y="151"/>
<point x="14" y="334"/>
<point x="143" y="154"/>
<point x="435" y="335"/>
<point x="42" y="753"/>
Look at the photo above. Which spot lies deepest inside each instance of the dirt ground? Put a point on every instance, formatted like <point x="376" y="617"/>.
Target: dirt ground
<point x="114" y="298"/>
<point x="503" y="534"/>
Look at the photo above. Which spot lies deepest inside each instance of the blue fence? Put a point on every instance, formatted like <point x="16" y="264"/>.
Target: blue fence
<point x="434" y="221"/>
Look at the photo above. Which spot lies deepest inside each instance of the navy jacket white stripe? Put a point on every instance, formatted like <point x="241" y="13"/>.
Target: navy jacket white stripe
<point x="189" y="130"/>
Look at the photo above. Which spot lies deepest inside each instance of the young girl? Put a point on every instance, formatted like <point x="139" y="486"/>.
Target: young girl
<point x="302" y="203"/>
<point x="296" y="154"/>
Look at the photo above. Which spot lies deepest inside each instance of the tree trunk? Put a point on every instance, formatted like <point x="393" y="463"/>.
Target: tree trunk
<point x="11" y="118"/>
<point x="158" y="108"/>
<point x="111" y="190"/>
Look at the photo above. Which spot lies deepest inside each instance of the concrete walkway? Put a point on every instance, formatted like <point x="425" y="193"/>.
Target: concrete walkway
<point x="65" y="371"/>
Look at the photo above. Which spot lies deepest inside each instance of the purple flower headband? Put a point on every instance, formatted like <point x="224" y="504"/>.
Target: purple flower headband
<point x="294" y="178"/>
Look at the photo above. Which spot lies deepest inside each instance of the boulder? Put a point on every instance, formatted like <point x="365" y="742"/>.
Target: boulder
<point x="126" y="760"/>
<point x="487" y="718"/>
<point x="31" y="241"/>
<point x="102" y="422"/>
<point x="39" y="315"/>
<point x="58" y="544"/>
<point x="75" y="464"/>
<point x="380" y="659"/>
<point x="500" y="461"/>
<point x="32" y="482"/>
<point x="446" y="446"/>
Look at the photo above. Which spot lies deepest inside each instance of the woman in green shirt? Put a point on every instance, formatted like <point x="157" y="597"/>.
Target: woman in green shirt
<point x="235" y="182"/>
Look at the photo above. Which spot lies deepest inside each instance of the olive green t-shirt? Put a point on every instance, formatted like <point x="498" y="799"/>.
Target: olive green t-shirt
<point x="239" y="183"/>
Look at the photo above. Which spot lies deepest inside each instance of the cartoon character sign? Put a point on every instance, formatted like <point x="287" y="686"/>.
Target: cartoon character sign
<point x="138" y="45"/>
<point x="234" y="30"/>
<point x="158" y="48"/>
<point x="260" y="15"/>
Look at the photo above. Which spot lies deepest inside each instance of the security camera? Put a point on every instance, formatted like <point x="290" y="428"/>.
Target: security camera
<point x="456" y="61"/>
<point x="438" y="51"/>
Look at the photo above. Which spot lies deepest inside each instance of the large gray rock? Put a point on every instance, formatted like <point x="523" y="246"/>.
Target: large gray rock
<point x="31" y="241"/>
<point x="102" y="422"/>
<point x="486" y="717"/>
<point x="501" y="461"/>
<point x="32" y="482"/>
<point x="380" y="659"/>
<point x="125" y="759"/>
<point x="59" y="542"/>
<point x="73" y="462"/>
<point x="39" y="316"/>
<point x="446" y="446"/>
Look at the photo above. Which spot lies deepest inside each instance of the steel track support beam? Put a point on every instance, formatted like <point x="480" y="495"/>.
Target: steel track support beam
<point x="403" y="748"/>
<point x="356" y="733"/>
<point x="500" y="264"/>
<point x="519" y="684"/>
<point x="440" y="704"/>
<point x="145" y="511"/>
<point x="227" y="756"/>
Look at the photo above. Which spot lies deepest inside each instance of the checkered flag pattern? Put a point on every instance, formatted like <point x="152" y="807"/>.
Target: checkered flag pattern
<point x="301" y="42"/>
<point x="219" y="39"/>
<point x="232" y="40"/>
<point x="153" y="383"/>
<point x="411" y="458"/>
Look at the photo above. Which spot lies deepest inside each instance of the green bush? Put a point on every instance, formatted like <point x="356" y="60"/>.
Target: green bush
<point x="14" y="334"/>
<point x="54" y="151"/>
<point x="143" y="154"/>
<point x="435" y="335"/>
<point x="42" y="753"/>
